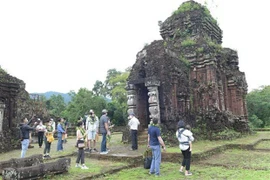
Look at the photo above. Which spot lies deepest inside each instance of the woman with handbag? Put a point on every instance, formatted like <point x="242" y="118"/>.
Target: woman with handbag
<point x="80" y="138"/>
<point x="48" y="139"/>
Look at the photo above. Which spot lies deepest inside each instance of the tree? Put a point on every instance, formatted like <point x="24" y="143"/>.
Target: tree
<point x="56" y="105"/>
<point x="258" y="104"/>
<point x="98" y="88"/>
<point x="82" y="102"/>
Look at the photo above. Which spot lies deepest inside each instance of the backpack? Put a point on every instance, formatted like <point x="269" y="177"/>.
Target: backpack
<point x="180" y="132"/>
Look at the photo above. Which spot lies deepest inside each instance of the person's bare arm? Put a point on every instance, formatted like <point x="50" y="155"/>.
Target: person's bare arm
<point x="161" y="142"/>
<point x="107" y="128"/>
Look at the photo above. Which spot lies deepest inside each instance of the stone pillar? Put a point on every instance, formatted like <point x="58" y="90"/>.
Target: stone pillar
<point x="2" y="110"/>
<point x="132" y="100"/>
<point x="154" y="107"/>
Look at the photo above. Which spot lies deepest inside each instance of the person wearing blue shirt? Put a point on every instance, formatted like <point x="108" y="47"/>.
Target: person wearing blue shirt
<point x="60" y="132"/>
<point x="154" y="142"/>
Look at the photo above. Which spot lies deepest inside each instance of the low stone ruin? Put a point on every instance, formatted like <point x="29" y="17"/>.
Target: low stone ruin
<point x="21" y="162"/>
<point x="188" y="75"/>
<point x="37" y="171"/>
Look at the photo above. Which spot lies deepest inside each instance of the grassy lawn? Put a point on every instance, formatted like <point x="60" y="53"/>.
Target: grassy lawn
<point x="241" y="159"/>
<point x="263" y="145"/>
<point x="95" y="167"/>
<point x="169" y="171"/>
<point x="201" y="146"/>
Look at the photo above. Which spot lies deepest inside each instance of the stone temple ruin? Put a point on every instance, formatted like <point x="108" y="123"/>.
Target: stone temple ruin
<point x="189" y="76"/>
<point x="14" y="105"/>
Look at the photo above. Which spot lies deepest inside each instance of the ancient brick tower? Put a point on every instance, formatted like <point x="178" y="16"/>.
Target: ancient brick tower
<point x="14" y="105"/>
<point x="188" y="75"/>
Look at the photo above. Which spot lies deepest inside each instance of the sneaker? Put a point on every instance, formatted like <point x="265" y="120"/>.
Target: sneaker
<point x="151" y="173"/>
<point x="108" y="149"/>
<point x="188" y="174"/>
<point x="84" y="167"/>
<point x="77" y="166"/>
<point x="48" y="156"/>
<point x="96" y="150"/>
<point x="180" y="170"/>
<point x="90" y="150"/>
<point x="86" y="150"/>
<point x="104" y="152"/>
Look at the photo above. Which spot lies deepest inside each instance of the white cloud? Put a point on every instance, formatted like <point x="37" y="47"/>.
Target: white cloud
<point x="64" y="45"/>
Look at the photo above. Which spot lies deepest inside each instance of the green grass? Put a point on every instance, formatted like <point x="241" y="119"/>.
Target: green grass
<point x="169" y="171"/>
<point x="263" y="145"/>
<point x="95" y="167"/>
<point x="204" y="145"/>
<point x="255" y="160"/>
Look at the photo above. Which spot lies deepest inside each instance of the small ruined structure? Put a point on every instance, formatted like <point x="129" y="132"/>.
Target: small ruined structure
<point x="14" y="105"/>
<point x="189" y="76"/>
<point x="21" y="162"/>
<point x="38" y="170"/>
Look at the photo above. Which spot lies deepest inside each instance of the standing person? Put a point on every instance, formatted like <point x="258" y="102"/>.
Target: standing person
<point x="40" y="129"/>
<point x="104" y="130"/>
<point x="92" y="125"/>
<point x="133" y="124"/>
<point x="48" y="139"/>
<point x="60" y="132"/>
<point x="109" y="136"/>
<point x="80" y="139"/>
<point x="65" y="126"/>
<point x="25" y="132"/>
<point x="154" y="142"/>
<point x="184" y="137"/>
<point x="53" y="124"/>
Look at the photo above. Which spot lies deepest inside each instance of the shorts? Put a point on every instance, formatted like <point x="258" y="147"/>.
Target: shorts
<point x="91" y="135"/>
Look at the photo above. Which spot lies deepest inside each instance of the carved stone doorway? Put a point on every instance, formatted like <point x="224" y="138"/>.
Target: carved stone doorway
<point x="143" y="113"/>
<point x="143" y="100"/>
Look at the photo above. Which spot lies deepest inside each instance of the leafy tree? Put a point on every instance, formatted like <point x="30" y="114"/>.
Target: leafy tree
<point x="82" y="102"/>
<point x="98" y="88"/>
<point x="108" y="84"/>
<point x="56" y="105"/>
<point x="258" y="104"/>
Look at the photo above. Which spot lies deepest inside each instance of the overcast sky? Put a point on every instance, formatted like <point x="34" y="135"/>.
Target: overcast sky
<point x="64" y="45"/>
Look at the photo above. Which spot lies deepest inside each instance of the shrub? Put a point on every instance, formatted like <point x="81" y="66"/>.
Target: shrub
<point x="187" y="6"/>
<point x="188" y="42"/>
<point x="184" y="60"/>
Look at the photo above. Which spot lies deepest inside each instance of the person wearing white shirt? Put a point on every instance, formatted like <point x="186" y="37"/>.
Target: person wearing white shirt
<point x="133" y="124"/>
<point x="40" y="130"/>
<point x="185" y="137"/>
<point x="92" y="124"/>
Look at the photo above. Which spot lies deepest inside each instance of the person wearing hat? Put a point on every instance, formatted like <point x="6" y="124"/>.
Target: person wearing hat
<point x="92" y="124"/>
<point x="104" y="130"/>
<point x="133" y="124"/>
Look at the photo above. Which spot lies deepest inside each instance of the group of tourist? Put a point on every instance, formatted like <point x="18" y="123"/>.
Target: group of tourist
<point x="87" y="134"/>
<point x="45" y="133"/>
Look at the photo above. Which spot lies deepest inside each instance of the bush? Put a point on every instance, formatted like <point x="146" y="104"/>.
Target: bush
<point x="188" y="42"/>
<point x="187" y="6"/>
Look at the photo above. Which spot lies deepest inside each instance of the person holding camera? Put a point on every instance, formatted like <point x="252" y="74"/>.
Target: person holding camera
<point x="25" y="135"/>
<point x="92" y="124"/>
